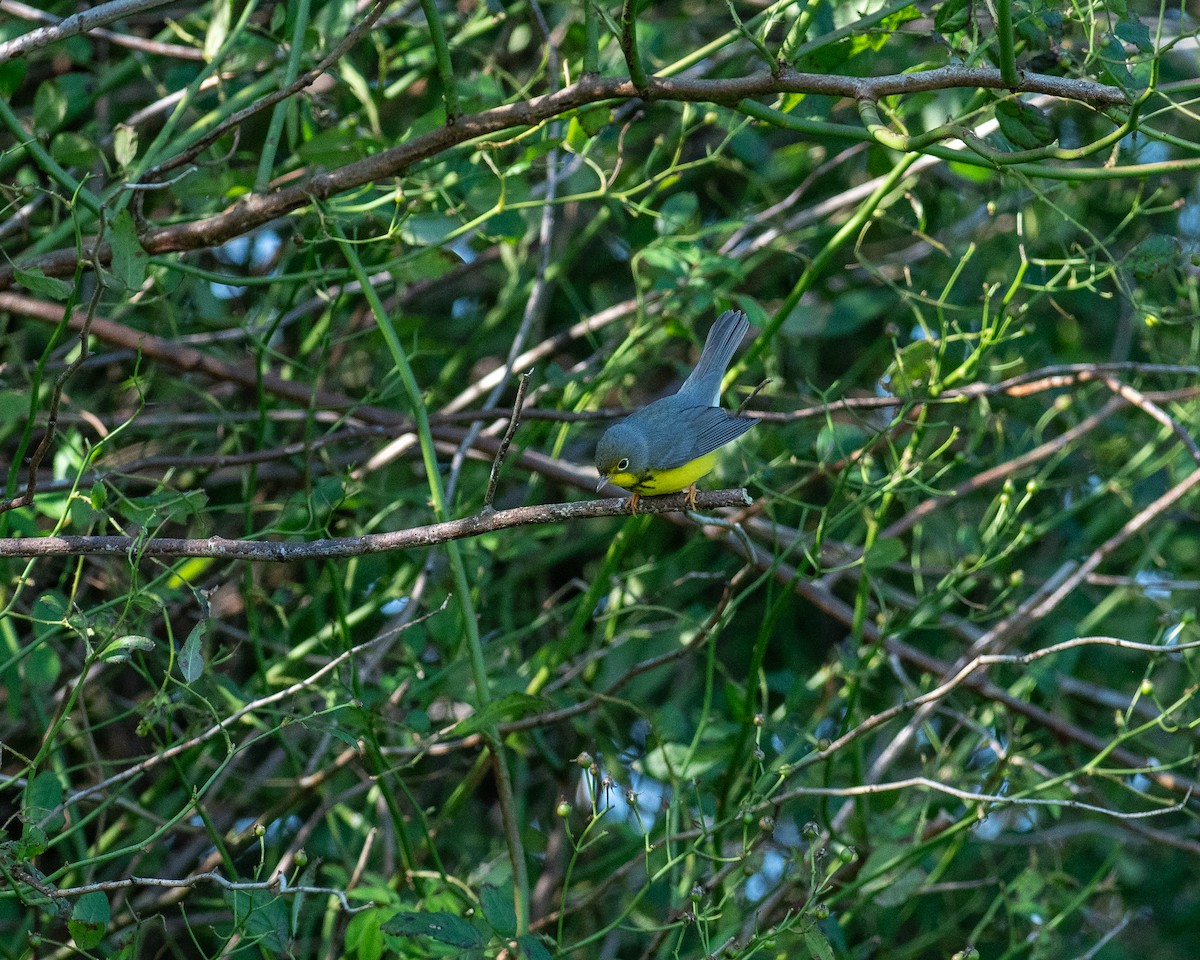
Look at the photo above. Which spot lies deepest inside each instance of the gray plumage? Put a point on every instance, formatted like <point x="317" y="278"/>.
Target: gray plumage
<point x="687" y="425"/>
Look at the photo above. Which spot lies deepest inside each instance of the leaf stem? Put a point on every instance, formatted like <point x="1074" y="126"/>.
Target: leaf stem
<point x="637" y="72"/>
<point x="445" y="66"/>
<point x="266" y="160"/>
<point x="1004" y="33"/>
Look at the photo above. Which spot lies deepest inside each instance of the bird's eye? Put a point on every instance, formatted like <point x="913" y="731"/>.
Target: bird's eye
<point x="623" y="463"/>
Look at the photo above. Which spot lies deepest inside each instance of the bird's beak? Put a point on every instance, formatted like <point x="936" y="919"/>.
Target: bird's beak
<point x="601" y="483"/>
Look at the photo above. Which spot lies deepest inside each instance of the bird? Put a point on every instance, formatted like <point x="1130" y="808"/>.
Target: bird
<point x="668" y="445"/>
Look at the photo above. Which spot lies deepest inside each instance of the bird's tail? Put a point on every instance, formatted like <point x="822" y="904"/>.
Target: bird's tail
<point x="723" y="340"/>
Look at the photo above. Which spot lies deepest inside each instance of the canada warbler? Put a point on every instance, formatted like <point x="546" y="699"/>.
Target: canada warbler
<point x="671" y="443"/>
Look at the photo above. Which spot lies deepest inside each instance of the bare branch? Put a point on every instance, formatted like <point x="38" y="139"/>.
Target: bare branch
<point x="154" y="47"/>
<point x="498" y="462"/>
<point x="968" y="796"/>
<point x="284" y="551"/>
<point x="277" y="884"/>
<point x="81" y="22"/>
<point x="253" y="210"/>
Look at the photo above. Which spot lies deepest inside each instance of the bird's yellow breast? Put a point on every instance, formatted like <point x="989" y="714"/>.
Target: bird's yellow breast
<point x="653" y="482"/>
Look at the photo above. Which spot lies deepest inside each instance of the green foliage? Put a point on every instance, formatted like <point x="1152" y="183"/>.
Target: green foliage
<point x="975" y="312"/>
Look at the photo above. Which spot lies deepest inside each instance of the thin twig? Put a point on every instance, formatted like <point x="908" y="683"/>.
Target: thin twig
<point x="1149" y="407"/>
<point x="255" y="705"/>
<point x="835" y="607"/>
<point x="277" y="884"/>
<point x="1023" y="617"/>
<point x="47" y="440"/>
<point x="967" y="796"/>
<point x="498" y="462"/>
<point x="753" y="393"/>
<point x="236" y="119"/>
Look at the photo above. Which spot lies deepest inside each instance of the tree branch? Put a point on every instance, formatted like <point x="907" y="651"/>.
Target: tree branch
<point x="283" y="551"/>
<point x="256" y="209"/>
<point x="81" y="22"/>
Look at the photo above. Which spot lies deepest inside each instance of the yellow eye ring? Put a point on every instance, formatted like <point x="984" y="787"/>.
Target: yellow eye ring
<point x="623" y="463"/>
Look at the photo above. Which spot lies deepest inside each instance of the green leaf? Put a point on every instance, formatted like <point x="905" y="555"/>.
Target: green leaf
<point x="218" y="28"/>
<point x="594" y="120"/>
<point x="829" y="57"/>
<point x="913" y="367"/>
<point x="14" y="406"/>
<point x="499" y="911"/>
<point x="506" y="225"/>
<point x="42" y="668"/>
<point x="1153" y="255"/>
<point x="42" y="802"/>
<point x="836" y="441"/>
<point x="1137" y="33"/>
<point x="49" y="613"/>
<point x="331" y="729"/>
<point x="666" y="258"/>
<point x="678" y="760"/>
<point x="884" y="553"/>
<point x="509" y="707"/>
<point x="332" y="147"/>
<point x="894" y="21"/>
<point x="154" y="508"/>
<point x="818" y="946"/>
<point x="532" y="948"/>
<point x="191" y="657"/>
<point x="364" y="939"/>
<point x="1113" y="68"/>
<point x="1023" y="126"/>
<point x="82" y="514"/>
<point x="952" y="16"/>
<point x="49" y="107"/>
<point x="442" y="927"/>
<point x="89" y="920"/>
<point x="577" y="137"/>
<point x="37" y="282"/>
<point x="12" y="73"/>
<point x="751" y="148"/>
<point x="426" y="229"/>
<point x="129" y="259"/>
<point x="120" y="649"/>
<point x="854" y="310"/>
<point x="900" y="888"/>
<point x="677" y="214"/>
<point x="73" y="150"/>
<point x="125" y="143"/>
<point x="262" y="915"/>
<point x="33" y="843"/>
<point x="42" y="813"/>
<point x="735" y="697"/>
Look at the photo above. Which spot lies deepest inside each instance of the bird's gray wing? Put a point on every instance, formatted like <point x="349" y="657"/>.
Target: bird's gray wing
<point x="699" y="431"/>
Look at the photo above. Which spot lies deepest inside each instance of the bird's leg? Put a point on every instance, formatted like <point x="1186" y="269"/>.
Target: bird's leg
<point x="689" y="499"/>
<point x="631" y="504"/>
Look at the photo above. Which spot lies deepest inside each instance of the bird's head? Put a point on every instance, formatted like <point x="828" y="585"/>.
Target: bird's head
<point x="622" y="454"/>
